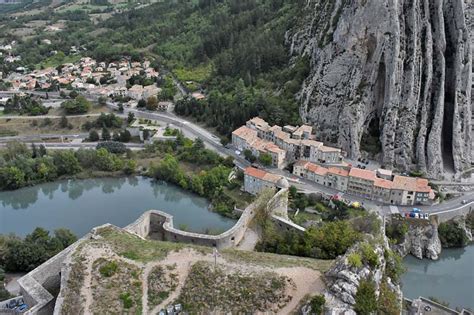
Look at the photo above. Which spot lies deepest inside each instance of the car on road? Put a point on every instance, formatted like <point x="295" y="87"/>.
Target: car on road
<point x="464" y="201"/>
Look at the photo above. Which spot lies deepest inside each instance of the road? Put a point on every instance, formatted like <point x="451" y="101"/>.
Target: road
<point x="76" y="146"/>
<point x="212" y="142"/>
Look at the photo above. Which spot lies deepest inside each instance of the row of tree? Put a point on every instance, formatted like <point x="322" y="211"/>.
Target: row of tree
<point x="21" y="166"/>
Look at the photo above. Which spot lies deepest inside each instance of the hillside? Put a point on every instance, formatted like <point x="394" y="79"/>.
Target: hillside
<point x="118" y="272"/>
<point x="374" y="78"/>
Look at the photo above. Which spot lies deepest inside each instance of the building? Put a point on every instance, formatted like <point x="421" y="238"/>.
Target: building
<point x="256" y="180"/>
<point x="401" y="190"/>
<point x="297" y="142"/>
<point x="361" y="182"/>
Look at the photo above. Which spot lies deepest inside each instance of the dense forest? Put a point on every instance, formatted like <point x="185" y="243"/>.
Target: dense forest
<point x="233" y="50"/>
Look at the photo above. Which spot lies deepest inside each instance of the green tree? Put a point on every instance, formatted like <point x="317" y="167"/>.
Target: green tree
<point x="249" y="156"/>
<point x="366" y="299"/>
<point x="131" y="117"/>
<point x="65" y="237"/>
<point x="130" y="167"/>
<point x="125" y="136"/>
<point x="11" y="178"/>
<point x="102" y="101"/>
<point x="265" y="159"/>
<point x="141" y="103"/>
<point x="105" y="134"/>
<point x="79" y="105"/>
<point x="66" y="162"/>
<point x="93" y="136"/>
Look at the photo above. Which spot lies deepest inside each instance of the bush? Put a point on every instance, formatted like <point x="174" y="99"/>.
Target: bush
<point x="394" y="267"/>
<point x="366" y="299"/>
<point x="317" y="304"/>
<point x="108" y="269"/>
<point x="396" y="231"/>
<point x="355" y="260"/>
<point x="79" y="105"/>
<point x="388" y="300"/>
<point x="451" y="235"/>
<point x="126" y="300"/>
<point x="112" y="147"/>
<point x="369" y="256"/>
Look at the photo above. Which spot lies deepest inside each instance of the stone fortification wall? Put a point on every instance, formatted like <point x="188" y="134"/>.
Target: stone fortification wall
<point x="159" y="225"/>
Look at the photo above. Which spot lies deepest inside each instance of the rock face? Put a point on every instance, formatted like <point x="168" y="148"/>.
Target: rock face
<point x="401" y="69"/>
<point x="342" y="280"/>
<point x="422" y="241"/>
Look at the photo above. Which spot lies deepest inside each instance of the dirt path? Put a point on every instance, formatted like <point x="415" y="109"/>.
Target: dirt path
<point x="307" y="282"/>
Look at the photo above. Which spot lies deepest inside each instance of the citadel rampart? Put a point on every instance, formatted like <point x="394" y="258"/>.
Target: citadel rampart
<point x="41" y="286"/>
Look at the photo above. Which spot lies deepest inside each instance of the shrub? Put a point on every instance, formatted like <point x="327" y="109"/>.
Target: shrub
<point x="366" y="299"/>
<point x="394" y="267"/>
<point x="396" y="231"/>
<point x="126" y="300"/>
<point x="317" y="304"/>
<point x="112" y="147"/>
<point x="355" y="260"/>
<point x="369" y="255"/>
<point x="388" y="300"/>
<point x="109" y="269"/>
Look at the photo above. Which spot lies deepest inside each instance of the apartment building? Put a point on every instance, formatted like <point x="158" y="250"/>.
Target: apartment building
<point x="361" y="182"/>
<point x="297" y="142"/>
<point x="256" y="180"/>
<point x="401" y="190"/>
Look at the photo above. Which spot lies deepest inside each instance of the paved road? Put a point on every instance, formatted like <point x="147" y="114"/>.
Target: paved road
<point x="193" y="131"/>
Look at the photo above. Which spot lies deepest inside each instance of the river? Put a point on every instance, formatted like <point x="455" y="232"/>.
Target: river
<point x="80" y="205"/>
<point x="450" y="279"/>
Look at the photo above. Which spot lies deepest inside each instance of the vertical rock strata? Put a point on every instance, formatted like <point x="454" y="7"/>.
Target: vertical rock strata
<point x="402" y="65"/>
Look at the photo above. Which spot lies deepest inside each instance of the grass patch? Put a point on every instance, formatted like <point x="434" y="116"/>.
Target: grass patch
<point x="242" y="199"/>
<point x="135" y="248"/>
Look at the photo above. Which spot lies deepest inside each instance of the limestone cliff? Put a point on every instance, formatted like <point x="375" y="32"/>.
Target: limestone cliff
<point x="343" y="279"/>
<point x="422" y="241"/>
<point x="399" y="68"/>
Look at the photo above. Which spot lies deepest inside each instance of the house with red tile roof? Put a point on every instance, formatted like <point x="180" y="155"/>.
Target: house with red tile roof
<point x="256" y="180"/>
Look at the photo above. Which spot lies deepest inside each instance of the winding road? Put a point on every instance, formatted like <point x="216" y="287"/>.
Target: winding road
<point x="193" y="131"/>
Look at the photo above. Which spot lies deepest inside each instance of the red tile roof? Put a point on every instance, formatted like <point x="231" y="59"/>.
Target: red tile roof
<point x="363" y="174"/>
<point x="338" y="171"/>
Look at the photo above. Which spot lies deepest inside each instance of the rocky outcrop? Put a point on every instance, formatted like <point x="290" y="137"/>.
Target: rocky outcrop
<point x="421" y="241"/>
<point x="342" y="280"/>
<point x="399" y="70"/>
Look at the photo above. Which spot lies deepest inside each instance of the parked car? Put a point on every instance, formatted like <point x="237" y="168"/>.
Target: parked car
<point x="464" y="201"/>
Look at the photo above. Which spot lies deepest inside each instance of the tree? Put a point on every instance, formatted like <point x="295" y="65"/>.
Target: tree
<point x="120" y="108"/>
<point x="125" y="136"/>
<point x="42" y="150"/>
<point x="249" y="156"/>
<point x="152" y="103"/>
<point x="265" y="159"/>
<point x="65" y="237"/>
<point x="146" y="134"/>
<point x="79" y="105"/>
<point x="130" y="166"/>
<point x="131" y="117"/>
<point x="11" y="178"/>
<point x="93" y="135"/>
<point x="66" y="162"/>
<point x="366" y="299"/>
<point x="63" y="123"/>
<point x="105" y="134"/>
<point x="34" y="151"/>
<point x="141" y="103"/>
